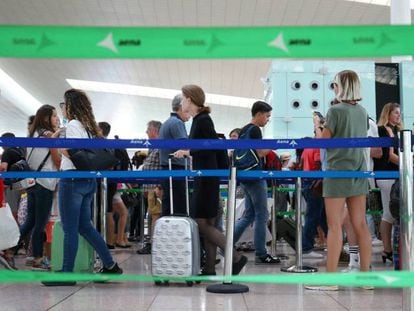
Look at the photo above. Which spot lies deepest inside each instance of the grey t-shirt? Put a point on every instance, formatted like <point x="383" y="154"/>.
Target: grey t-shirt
<point x="346" y="121"/>
<point x="172" y="128"/>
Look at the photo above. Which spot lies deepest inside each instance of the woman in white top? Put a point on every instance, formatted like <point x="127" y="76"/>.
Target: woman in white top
<point x="40" y="196"/>
<point x="76" y="194"/>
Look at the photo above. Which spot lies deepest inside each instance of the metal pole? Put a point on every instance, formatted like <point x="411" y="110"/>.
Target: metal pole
<point x="299" y="268"/>
<point x="273" y="219"/>
<point x="104" y="206"/>
<point x="95" y="211"/>
<point x="227" y="287"/>
<point x="298" y="222"/>
<point x="231" y="205"/>
<point x="406" y="212"/>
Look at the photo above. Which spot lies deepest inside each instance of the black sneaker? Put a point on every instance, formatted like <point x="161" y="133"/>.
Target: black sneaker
<point x="146" y="250"/>
<point x="58" y="283"/>
<point x="114" y="270"/>
<point x="238" y="266"/>
<point x="266" y="260"/>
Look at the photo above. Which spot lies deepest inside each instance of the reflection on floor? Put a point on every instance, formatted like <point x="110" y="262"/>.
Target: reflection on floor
<point x="146" y="296"/>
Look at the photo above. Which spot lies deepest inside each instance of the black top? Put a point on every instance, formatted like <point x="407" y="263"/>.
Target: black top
<point x="255" y="132"/>
<point x="383" y="163"/>
<point x="205" y="199"/>
<point x="203" y="128"/>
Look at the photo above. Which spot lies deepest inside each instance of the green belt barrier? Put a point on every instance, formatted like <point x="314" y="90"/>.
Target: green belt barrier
<point x="281" y="189"/>
<point x="374" y="213"/>
<point x="395" y="279"/>
<point x="202" y="42"/>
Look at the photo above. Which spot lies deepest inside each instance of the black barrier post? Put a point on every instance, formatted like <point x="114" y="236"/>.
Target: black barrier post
<point x="298" y="268"/>
<point x="274" y="224"/>
<point x="227" y="287"/>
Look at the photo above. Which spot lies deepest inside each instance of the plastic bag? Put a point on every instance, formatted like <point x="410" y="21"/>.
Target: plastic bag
<point x="9" y="231"/>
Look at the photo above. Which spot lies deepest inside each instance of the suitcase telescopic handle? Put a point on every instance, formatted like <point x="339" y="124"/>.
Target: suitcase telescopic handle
<point x="187" y="196"/>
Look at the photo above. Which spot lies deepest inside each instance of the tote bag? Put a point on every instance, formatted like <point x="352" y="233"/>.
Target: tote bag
<point x="9" y="231"/>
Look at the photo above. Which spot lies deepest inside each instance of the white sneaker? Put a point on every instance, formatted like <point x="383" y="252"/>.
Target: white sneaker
<point x="376" y="242"/>
<point x="346" y="248"/>
<point x="350" y="269"/>
<point x="312" y="255"/>
<point x="328" y="288"/>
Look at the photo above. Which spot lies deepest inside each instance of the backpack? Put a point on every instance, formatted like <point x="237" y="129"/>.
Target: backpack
<point x="19" y="166"/>
<point x="246" y="159"/>
<point x="124" y="163"/>
<point x="23" y="166"/>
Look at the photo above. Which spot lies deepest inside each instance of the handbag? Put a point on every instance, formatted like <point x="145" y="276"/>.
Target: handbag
<point x="86" y="159"/>
<point x="9" y="231"/>
<point x="130" y="199"/>
<point x="92" y="159"/>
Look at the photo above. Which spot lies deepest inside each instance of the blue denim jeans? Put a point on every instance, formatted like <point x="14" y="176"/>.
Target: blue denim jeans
<point x="255" y="211"/>
<point x="75" y="205"/>
<point x="314" y="216"/>
<point x="39" y="205"/>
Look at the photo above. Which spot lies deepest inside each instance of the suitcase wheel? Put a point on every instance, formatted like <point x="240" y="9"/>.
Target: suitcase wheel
<point x="189" y="283"/>
<point x="157" y="283"/>
<point x="167" y="283"/>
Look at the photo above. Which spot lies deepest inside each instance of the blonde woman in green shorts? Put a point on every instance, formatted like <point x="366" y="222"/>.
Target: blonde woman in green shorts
<point x="346" y="119"/>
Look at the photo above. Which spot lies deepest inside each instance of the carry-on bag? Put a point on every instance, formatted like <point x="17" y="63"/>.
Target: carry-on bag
<point x="175" y="243"/>
<point x="84" y="261"/>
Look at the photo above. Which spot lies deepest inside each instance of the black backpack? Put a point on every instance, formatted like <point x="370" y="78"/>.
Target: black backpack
<point x="18" y="166"/>
<point x="124" y="163"/>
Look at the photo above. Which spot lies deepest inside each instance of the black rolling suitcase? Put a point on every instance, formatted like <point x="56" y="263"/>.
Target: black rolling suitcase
<point x="286" y="229"/>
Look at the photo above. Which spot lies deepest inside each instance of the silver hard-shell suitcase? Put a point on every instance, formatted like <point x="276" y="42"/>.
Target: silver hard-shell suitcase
<point x="175" y="243"/>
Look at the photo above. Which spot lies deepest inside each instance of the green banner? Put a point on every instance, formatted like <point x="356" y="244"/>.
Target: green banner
<point x="214" y="42"/>
<point x="395" y="279"/>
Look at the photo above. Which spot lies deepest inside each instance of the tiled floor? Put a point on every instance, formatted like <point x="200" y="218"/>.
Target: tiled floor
<point x="146" y="296"/>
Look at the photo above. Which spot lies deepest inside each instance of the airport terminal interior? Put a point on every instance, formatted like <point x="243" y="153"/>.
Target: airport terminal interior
<point x="129" y="92"/>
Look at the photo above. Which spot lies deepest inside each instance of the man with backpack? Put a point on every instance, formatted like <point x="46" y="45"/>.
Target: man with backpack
<point x="256" y="189"/>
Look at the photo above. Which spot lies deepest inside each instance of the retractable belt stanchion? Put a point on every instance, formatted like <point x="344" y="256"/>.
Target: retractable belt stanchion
<point x="406" y="212"/>
<point x="227" y="287"/>
<point x="274" y="225"/>
<point x="273" y="219"/>
<point x="298" y="268"/>
<point x="104" y="206"/>
<point x="96" y="211"/>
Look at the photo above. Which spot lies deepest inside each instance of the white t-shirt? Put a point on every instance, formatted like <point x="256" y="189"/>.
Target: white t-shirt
<point x="35" y="157"/>
<point x="74" y="129"/>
